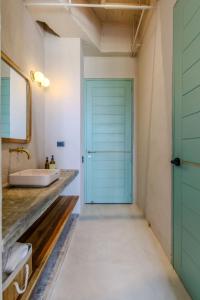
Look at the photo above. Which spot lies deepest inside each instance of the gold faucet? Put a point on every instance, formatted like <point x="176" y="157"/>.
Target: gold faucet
<point x="21" y="150"/>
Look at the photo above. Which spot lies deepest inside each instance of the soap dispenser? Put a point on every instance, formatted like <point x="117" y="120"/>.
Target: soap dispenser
<point x="52" y="164"/>
<point x="47" y="163"/>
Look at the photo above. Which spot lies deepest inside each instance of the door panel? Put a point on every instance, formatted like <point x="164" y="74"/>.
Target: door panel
<point x="191" y="246"/>
<point x="191" y="78"/>
<point x="190" y="55"/>
<point x="191" y="150"/>
<point x="191" y="29"/>
<point x="108" y="141"/>
<point x="186" y="214"/>
<point x="191" y="125"/>
<point x="190" y="274"/>
<point x="191" y="198"/>
<point x="191" y="176"/>
<point x="190" y="102"/>
<point x="191" y="8"/>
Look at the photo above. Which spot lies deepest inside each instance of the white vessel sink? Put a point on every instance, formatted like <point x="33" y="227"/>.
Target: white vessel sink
<point x="34" y="177"/>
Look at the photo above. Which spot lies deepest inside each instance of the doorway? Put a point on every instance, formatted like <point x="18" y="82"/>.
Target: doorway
<point x="108" y="140"/>
<point x="186" y="194"/>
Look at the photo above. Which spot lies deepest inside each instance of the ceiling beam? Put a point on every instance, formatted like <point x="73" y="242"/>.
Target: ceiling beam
<point x="90" y="5"/>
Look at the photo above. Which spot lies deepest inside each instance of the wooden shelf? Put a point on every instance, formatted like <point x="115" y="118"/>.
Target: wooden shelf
<point x="43" y="235"/>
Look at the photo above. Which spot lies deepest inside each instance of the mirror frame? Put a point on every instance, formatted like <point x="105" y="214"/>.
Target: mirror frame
<point x="27" y="140"/>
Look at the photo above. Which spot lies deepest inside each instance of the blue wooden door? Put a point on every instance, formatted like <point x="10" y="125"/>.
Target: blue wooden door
<point x="108" y="141"/>
<point x="186" y="246"/>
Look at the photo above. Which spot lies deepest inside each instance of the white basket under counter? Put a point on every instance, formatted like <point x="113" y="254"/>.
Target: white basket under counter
<point x="15" y="284"/>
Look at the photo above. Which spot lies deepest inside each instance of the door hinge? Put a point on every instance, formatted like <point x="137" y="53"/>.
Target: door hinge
<point x="82" y="159"/>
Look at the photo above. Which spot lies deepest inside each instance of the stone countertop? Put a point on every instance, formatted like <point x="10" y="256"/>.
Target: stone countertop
<point x="22" y="206"/>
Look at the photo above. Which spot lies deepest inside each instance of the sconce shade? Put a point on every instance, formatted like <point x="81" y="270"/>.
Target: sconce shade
<point x="45" y="82"/>
<point x="38" y="77"/>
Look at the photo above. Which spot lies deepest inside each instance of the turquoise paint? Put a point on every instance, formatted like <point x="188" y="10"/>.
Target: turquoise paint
<point x="108" y="134"/>
<point x="186" y="135"/>
<point x="5" y="107"/>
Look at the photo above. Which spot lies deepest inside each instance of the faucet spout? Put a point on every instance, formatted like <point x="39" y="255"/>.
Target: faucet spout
<point x="21" y="150"/>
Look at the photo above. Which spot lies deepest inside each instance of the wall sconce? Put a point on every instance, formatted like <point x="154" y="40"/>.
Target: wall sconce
<point x="40" y="79"/>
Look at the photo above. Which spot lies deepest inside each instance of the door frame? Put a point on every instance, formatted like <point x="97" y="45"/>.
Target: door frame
<point x="173" y="143"/>
<point x="133" y="168"/>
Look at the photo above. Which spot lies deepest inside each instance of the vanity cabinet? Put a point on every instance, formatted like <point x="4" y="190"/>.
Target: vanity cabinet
<point x="44" y="234"/>
<point x="36" y="216"/>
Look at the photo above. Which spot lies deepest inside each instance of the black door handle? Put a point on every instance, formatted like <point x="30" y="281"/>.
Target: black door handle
<point x="176" y="161"/>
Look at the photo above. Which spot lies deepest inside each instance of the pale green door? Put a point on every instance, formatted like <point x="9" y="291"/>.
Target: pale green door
<point x="186" y="245"/>
<point x="108" y="141"/>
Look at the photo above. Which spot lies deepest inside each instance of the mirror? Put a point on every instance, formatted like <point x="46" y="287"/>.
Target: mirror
<point x="15" y="121"/>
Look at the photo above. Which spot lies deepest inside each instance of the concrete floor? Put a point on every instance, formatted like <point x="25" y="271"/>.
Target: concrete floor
<point x="113" y="255"/>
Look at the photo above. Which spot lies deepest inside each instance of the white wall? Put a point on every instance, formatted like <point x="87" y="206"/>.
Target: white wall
<point x="110" y="67"/>
<point x="63" y="104"/>
<point x="22" y="41"/>
<point x="154" y="126"/>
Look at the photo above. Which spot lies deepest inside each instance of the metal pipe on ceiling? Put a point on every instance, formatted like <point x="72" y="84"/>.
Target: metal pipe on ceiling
<point x="91" y="5"/>
<point x="137" y="33"/>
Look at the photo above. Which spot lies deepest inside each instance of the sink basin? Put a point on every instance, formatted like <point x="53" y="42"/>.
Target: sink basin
<point x="34" y="177"/>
